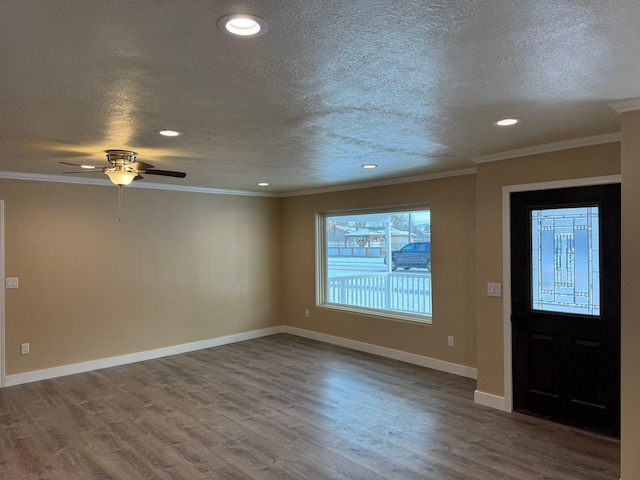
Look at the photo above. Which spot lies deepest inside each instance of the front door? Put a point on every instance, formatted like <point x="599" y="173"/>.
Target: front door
<point x="565" y="290"/>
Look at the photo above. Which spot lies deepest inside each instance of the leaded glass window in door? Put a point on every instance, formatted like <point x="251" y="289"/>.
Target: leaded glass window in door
<point x="565" y="260"/>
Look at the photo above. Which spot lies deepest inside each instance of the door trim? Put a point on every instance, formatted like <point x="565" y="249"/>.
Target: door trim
<point x="506" y="262"/>
<point x="2" y="298"/>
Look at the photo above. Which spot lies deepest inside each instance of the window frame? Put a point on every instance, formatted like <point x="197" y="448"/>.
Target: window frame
<point x="322" y="269"/>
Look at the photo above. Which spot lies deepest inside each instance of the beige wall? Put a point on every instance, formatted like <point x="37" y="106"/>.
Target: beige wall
<point x="452" y="204"/>
<point x="630" y="464"/>
<point x="465" y="258"/>
<point x="186" y="267"/>
<point x="594" y="161"/>
<point x="183" y="267"/>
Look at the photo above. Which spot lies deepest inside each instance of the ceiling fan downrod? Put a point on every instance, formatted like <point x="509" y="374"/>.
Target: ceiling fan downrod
<point x="121" y="157"/>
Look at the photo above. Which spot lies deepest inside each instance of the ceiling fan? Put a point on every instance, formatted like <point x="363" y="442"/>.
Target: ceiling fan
<point x="125" y="169"/>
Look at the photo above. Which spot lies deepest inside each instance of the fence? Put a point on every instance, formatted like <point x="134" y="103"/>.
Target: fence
<point x="405" y="292"/>
<point x="376" y="249"/>
<point x="375" y="252"/>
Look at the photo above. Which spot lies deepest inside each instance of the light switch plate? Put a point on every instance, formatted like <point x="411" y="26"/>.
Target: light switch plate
<point x="494" y="289"/>
<point x="11" y="282"/>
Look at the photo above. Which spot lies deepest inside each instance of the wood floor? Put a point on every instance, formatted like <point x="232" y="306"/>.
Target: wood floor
<point x="281" y="407"/>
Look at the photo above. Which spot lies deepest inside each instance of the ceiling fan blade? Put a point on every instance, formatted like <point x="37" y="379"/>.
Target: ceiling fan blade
<point x="166" y="173"/>
<point x="138" y="177"/>
<point x="138" y="165"/>
<point x="86" y="171"/>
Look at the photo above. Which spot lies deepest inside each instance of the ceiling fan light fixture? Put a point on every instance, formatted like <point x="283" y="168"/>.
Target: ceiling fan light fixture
<point x="121" y="177"/>
<point x="243" y="25"/>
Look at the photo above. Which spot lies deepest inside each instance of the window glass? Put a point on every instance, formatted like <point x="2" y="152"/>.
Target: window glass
<point x="378" y="262"/>
<point x="565" y="260"/>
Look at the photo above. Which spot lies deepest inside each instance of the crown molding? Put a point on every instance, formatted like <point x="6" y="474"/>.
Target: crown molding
<point x="207" y="190"/>
<point x="106" y="183"/>
<point x="550" y="147"/>
<point x="383" y="183"/>
<point x="216" y="191"/>
<point x="628" y="105"/>
<point x="37" y="177"/>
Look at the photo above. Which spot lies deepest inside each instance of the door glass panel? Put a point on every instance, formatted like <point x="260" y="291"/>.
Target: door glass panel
<point x="565" y="260"/>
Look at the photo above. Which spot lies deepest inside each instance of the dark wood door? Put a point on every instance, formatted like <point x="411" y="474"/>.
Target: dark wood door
<point x="565" y="288"/>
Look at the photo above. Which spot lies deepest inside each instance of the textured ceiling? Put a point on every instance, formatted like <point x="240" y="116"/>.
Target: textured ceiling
<point x="413" y="86"/>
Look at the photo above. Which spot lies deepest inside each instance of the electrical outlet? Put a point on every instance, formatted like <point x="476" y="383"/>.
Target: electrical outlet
<point x="24" y="349"/>
<point x="450" y="340"/>
<point x="306" y="312"/>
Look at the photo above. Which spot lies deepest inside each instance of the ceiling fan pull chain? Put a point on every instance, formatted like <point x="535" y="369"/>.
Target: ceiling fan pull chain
<point x="120" y="205"/>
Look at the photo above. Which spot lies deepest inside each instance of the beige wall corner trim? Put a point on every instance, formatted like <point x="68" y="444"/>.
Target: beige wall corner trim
<point x="412" y="358"/>
<point x="627" y="105"/>
<point x="34" y="177"/>
<point x="490" y="400"/>
<point x="55" y="372"/>
<point x="550" y="147"/>
<point x="2" y="299"/>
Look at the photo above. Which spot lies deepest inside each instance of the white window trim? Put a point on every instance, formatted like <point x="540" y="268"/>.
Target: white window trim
<point x="321" y="269"/>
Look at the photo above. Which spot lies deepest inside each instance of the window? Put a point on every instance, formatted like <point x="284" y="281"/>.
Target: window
<point x="376" y="263"/>
<point x="565" y="265"/>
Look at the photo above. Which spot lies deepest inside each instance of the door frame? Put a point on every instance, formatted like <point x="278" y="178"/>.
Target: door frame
<point x="2" y="298"/>
<point x="507" y="190"/>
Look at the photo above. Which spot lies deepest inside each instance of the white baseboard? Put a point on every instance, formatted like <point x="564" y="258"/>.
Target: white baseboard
<point x="489" y="400"/>
<point x="48" y="373"/>
<point x="412" y="358"/>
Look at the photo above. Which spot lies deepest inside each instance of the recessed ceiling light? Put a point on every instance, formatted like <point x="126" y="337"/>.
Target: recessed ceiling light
<point x="88" y="167"/>
<point x="263" y="184"/>
<point x="169" y="133"/>
<point x="505" y="122"/>
<point x="369" y="165"/>
<point x="243" y="25"/>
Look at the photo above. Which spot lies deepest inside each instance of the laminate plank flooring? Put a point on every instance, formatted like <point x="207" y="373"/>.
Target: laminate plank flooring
<point x="281" y="407"/>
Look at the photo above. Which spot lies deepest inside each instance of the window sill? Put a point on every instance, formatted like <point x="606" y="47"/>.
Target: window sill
<point x="384" y="314"/>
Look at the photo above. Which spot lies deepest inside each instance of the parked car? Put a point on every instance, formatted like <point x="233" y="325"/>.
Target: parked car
<point x="416" y="254"/>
